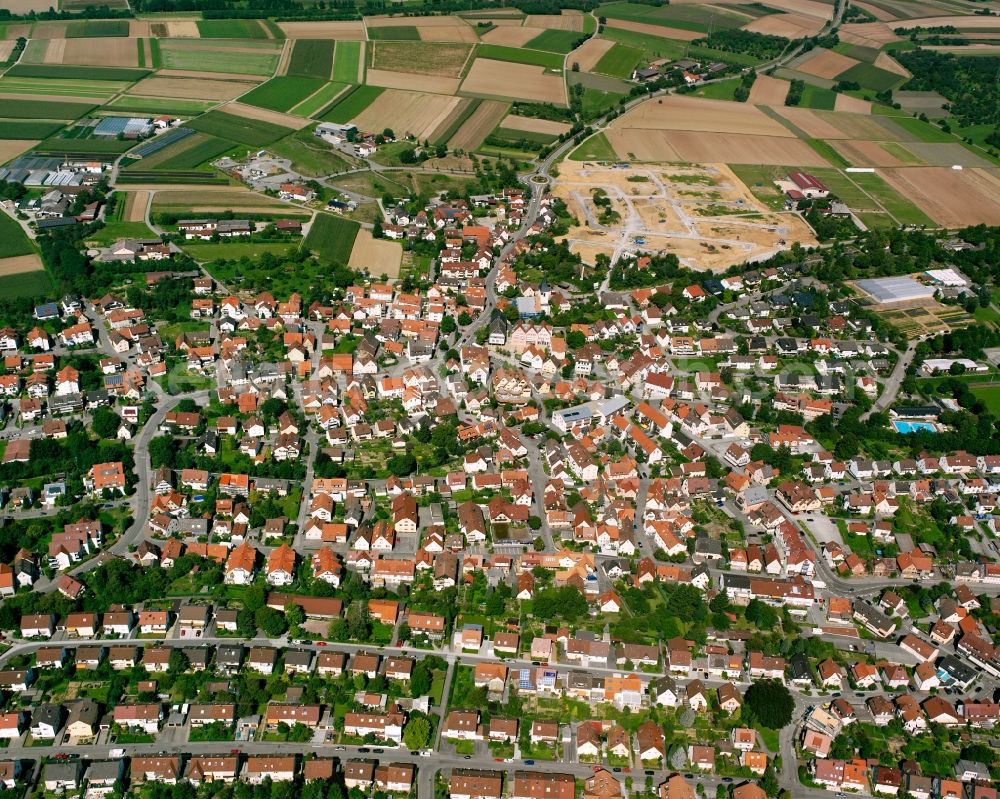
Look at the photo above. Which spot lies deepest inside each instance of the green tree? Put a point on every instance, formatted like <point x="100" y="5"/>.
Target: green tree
<point x="105" y="422"/>
<point x="771" y="703"/>
<point x="417" y="733"/>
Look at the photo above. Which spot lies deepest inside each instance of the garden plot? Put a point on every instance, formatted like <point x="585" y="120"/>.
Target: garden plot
<point x="655" y="30"/>
<point x="478" y="126"/>
<point x="351" y="30"/>
<point x="702" y="213"/>
<point x="514" y="81"/>
<point x="768" y="91"/>
<point x="590" y="52"/>
<point x="791" y="26"/>
<point x="952" y="198"/>
<point x="407" y="113"/>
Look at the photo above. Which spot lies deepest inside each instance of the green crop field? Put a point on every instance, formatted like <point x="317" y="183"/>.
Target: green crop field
<point x="923" y="131"/>
<point x="556" y="41"/>
<point x="97" y="28"/>
<point x="254" y="132"/>
<point x="597" y="101"/>
<point x="818" y="98"/>
<point x="159" y="105"/>
<point x="204" y="149"/>
<point x="320" y="100"/>
<point x="207" y="251"/>
<point x="659" y="47"/>
<point x="82" y="148"/>
<point x="312" y="58"/>
<point x="536" y="58"/>
<point x="394" y="32"/>
<point x="691" y="18"/>
<point x="332" y="237"/>
<point x="524" y="136"/>
<point x="45" y="109"/>
<point x="905" y="212"/>
<point x="89" y="74"/>
<point x="13" y="240"/>
<point x="619" y="61"/>
<point x="345" y="62"/>
<point x="27" y="129"/>
<point x="720" y="90"/>
<point x="231" y="29"/>
<point x="26" y="284"/>
<point x="260" y="62"/>
<point x="282" y="93"/>
<point x="871" y="77"/>
<point x="596" y="148"/>
<point x="350" y="105"/>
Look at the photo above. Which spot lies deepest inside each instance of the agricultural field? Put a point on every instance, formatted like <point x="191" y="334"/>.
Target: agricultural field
<point x="232" y="57"/>
<point x="232" y="29"/>
<point x="282" y="93"/>
<point x="311" y="58"/>
<point x="474" y="130"/>
<point x="332" y="237"/>
<point x="422" y="58"/>
<point x="254" y="132"/>
<point x="13" y="240"/>
<point x="347" y="62"/>
<point x="350" y="105"/>
<point x="514" y="81"/>
<point x="27" y="129"/>
<point x="515" y="55"/>
<point x="379" y="257"/>
<point x="619" y="61"/>
<point x="205" y="200"/>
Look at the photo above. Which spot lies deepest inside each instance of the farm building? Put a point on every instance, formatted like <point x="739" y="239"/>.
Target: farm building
<point x="895" y="289"/>
<point x="128" y="127"/>
<point x="802" y="186"/>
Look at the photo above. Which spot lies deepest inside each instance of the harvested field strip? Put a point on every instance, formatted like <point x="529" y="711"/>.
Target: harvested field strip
<point x="231" y="29"/>
<point x="532" y="57"/>
<point x="311" y="58"/>
<point x="41" y="109"/>
<point x="569" y="21"/>
<point x="825" y="63"/>
<point x="282" y="93"/>
<point x="135" y="203"/>
<point x="88" y="74"/>
<point x="477" y="127"/>
<point x="254" y="132"/>
<point x="509" y="36"/>
<point x="704" y="147"/>
<point x="332" y="237"/>
<point x="495" y="79"/>
<point x="408" y="81"/>
<point x="394" y="33"/>
<point x="697" y="114"/>
<point x="320" y="100"/>
<point x="376" y="256"/>
<point x="851" y="105"/>
<point x="101" y="52"/>
<point x="347" y="63"/>
<point x="450" y="126"/>
<point x="352" y="104"/>
<point x="19" y="265"/>
<point x="12" y="148"/>
<point x="529" y="124"/>
<point x="556" y="41"/>
<point x="190" y="89"/>
<point x="159" y="105"/>
<point x="353" y="30"/>
<point x="27" y="129"/>
<point x="73" y="91"/>
<point x="590" y="52"/>
<point x="523" y="138"/>
<point x="264" y="115"/>
<point x="408" y="113"/>
<point x="655" y="30"/>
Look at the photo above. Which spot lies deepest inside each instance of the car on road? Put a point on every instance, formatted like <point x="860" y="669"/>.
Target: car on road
<point x="529" y="762"/>
<point x="234" y="751"/>
<point x="649" y="772"/>
<point x="727" y="779"/>
<point x="689" y="776"/>
<point x="468" y="757"/>
<point x="364" y="749"/>
<point x="340" y="749"/>
<point x="616" y="769"/>
<point x="378" y="751"/>
<point x="321" y="643"/>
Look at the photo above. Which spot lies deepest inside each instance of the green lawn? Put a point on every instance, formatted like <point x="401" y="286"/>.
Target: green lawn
<point x="207" y="251"/>
<point x="720" y="90"/>
<point x="282" y="93"/>
<point x="253" y="132"/>
<point x="556" y="41"/>
<point x="596" y="148"/>
<point x="312" y="58"/>
<point x="309" y="155"/>
<point x="989" y="396"/>
<point x="13" y="240"/>
<point x="332" y="237"/>
<point x="231" y="29"/>
<point x="345" y="62"/>
<point x="350" y="105"/>
<point x="619" y="61"/>
<point x="516" y="55"/>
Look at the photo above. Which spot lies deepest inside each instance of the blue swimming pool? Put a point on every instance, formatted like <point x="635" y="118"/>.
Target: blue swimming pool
<point x="913" y="427"/>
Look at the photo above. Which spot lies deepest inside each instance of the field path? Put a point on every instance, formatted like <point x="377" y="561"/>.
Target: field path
<point x="285" y="57"/>
<point x="363" y="60"/>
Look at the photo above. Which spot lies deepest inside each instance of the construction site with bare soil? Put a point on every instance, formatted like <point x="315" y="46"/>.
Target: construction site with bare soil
<point x="703" y="214"/>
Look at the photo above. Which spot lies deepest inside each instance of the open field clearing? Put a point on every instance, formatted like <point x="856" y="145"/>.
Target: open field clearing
<point x="951" y="197"/>
<point x="97" y="52"/>
<point x="10" y="149"/>
<point x="255" y="132"/>
<point x="590" y="52"/>
<point x="868" y="34"/>
<point x="477" y="127"/>
<point x="347" y="64"/>
<point x="247" y="57"/>
<point x="676" y="112"/>
<point x="424" y="58"/>
<point x="408" y="81"/>
<point x="20" y="264"/>
<point x="174" y="29"/>
<point x="283" y="92"/>
<point x="768" y="91"/>
<point x="514" y="81"/>
<point x="851" y="105"/>
<point x="673" y="209"/>
<point x="135" y="206"/>
<point x="190" y="88"/>
<point x="655" y="30"/>
<point x="566" y="21"/>
<point x="531" y="125"/>
<point x="408" y="113"/>
<point x="350" y="30"/>
<point x="332" y="237"/>
<point x="311" y="58"/>
<point x="250" y="112"/>
<point x="510" y="36"/>
<point x="704" y="147"/>
<point x="791" y="26"/>
<point x="970" y="23"/>
<point x="376" y="256"/>
<point x="824" y="63"/>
